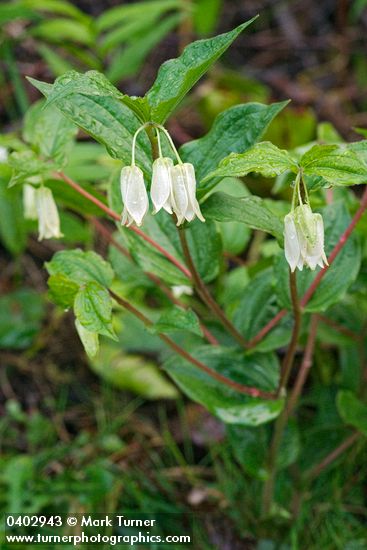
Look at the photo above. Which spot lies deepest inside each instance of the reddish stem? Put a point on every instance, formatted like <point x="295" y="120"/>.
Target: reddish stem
<point x="247" y="390"/>
<point x="316" y="470"/>
<point x="312" y="288"/>
<point x="112" y="214"/>
<point x="167" y="291"/>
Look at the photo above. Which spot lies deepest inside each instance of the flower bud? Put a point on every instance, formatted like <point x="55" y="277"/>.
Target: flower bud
<point x="161" y="188"/>
<point x="304" y="238"/>
<point x="48" y="216"/>
<point x="183" y="197"/>
<point x="134" y="195"/>
<point x="29" y="202"/>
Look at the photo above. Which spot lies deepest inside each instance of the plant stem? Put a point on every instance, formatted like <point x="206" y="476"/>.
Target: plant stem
<point x="292" y="348"/>
<point x="165" y="289"/>
<point x="204" y="293"/>
<point x="312" y="288"/>
<point x="282" y="419"/>
<point x="247" y="390"/>
<point x="339" y="328"/>
<point x="319" y="468"/>
<point x="305" y="366"/>
<point x="117" y="217"/>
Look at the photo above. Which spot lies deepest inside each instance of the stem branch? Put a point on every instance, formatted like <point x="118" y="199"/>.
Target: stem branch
<point x="247" y="390"/>
<point x="156" y="280"/>
<point x="117" y="217"/>
<point x="204" y="293"/>
<point x="312" y="288"/>
<point x="282" y="419"/>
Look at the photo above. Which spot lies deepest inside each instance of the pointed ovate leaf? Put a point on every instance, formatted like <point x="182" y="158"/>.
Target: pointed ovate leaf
<point x="205" y="245"/>
<point x="13" y="228"/>
<point x="249" y="446"/>
<point x="93" y="309"/>
<point x="177" y="318"/>
<point x="131" y="372"/>
<point x="232" y="407"/>
<point x="263" y="158"/>
<point x="234" y="131"/>
<point x="256" y="308"/>
<point x="50" y="132"/>
<point x="62" y="290"/>
<point x="177" y="76"/>
<point x="352" y="410"/>
<point x="100" y="112"/>
<point x="90" y="340"/>
<point x="92" y="83"/>
<point x="248" y="210"/>
<point x="28" y="167"/>
<point x="81" y="267"/>
<point x="336" y="164"/>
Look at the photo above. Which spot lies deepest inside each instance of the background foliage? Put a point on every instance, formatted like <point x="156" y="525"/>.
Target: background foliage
<point x="111" y="430"/>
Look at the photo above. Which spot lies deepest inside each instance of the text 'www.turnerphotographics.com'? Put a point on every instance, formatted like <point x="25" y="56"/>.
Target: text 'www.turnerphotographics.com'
<point x="113" y="529"/>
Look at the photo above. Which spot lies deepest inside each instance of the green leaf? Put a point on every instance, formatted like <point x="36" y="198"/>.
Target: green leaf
<point x="259" y="370"/>
<point x="89" y="339"/>
<point x="11" y="12"/>
<point x="50" y="132"/>
<point x="57" y="6"/>
<point x="256" y="308"/>
<point x="206" y="15"/>
<point x="177" y="318"/>
<point x="263" y="158"/>
<point x="352" y="410"/>
<point x="234" y="130"/>
<point x="128" y="31"/>
<point x="28" y="167"/>
<point x="250" y="447"/>
<point x="290" y="446"/>
<point x="13" y="230"/>
<point x="151" y="260"/>
<point x="127" y="62"/>
<point x="61" y="30"/>
<point x="94" y="105"/>
<point x="55" y="62"/>
<point x="337" y="165"/>
<point x="93" y="309"/>
<point x="62" y="290"/>
<point x="21" y="314"/>
<point x="177" y="76"/>
<point x="120" y="14"/>
<point x="257" y="303"/>
<point x="206" y="248"/>
<point x="131" y="372"/>
<point x="81" y="267"/>
<point x="126" y="271"/>
<point x="340" y="275"/>
<point x="248" y="210"/>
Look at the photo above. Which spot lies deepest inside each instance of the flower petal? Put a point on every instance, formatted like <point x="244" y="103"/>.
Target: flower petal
<point x="291" y="242"/>
<point x="179" y="198"/>
<point x="161" y="186"/>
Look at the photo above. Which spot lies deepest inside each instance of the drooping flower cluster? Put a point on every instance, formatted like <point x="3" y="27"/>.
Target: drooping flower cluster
<point x="39" y="204"/>
<point x="303" y="234"/>
<point x="173" y="188"/>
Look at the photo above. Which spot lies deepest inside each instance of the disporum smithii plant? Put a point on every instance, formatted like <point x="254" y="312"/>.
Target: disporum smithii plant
<point x="242" y="338"/>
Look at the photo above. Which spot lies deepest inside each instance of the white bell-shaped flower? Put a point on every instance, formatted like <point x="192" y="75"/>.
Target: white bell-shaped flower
<point x="48" y="216"/>
<point x="183" y="196"/>
<point x="304" y="239"/>
<point x="134" y="195"/>
<point x="29" y="202"/>
<point x="3" y="154"/>
<point x="161" y="188"/>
